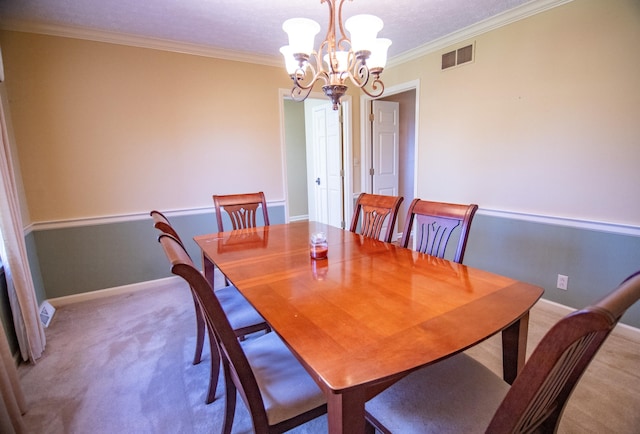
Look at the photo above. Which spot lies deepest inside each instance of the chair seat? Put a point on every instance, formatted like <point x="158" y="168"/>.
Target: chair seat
<point x="456" y="395"/>
<point x="286" y="387"/>
<point x="238" y="310"/>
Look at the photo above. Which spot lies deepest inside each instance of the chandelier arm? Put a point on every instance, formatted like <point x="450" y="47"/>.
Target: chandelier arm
<point x="362" y="78"/>
<point x="298" y="80"/>
<point x="374" y="86"/>
<point x="331" y="37"/>
<point x="300" y="94"/>
<point x="343" y="35"/>
<point x="341" y="63"/>
<point x="359" y="73"/>
<point x="323" y="49"/>
<point x="299" y="77"/>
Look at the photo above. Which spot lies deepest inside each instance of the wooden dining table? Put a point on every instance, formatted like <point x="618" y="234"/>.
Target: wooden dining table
<point x="371" y="312"/>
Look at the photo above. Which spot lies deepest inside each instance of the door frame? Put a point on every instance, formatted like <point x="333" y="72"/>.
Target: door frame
<point x="365" y="132"/>
<point x="347" y="151"/>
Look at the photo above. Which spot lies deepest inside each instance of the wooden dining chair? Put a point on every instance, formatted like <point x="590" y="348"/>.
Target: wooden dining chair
<point x="275" y="387"/>
<point x="375" y="209"/>
<point x="244" y="318"/>
<point x="435" y="222"/>
<point x="241" y="208"/>
<point x="460" y="394"/>
<point x="161" y="222"/>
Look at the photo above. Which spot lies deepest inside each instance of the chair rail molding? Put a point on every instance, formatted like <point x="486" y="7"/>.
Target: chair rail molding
<point x="102" y="220"/>
<point x="616" y="228"/>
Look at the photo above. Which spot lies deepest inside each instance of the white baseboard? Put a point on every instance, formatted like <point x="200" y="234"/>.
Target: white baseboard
<point x="558" y="308"/>
<point x="126" y="289"/>
<point x="299" y="218"/>
<point x="623" y="330"/>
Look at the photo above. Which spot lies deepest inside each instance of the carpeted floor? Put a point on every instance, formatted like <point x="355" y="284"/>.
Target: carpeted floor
<point x="123" y="364"/>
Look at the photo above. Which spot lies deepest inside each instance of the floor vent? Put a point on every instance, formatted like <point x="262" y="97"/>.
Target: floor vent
<point x="458" y="56"/>
<point x="46" y="313"/>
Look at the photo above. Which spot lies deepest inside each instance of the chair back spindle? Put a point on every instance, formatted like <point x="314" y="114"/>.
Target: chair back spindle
<point x="376" y="210"/>
<point x="460" y="394"/>
<point x="539" y="394"/>
<point x="161" y="222"/>
<point x="282" y="413"/>
<point x="241" y="208"/>
<point x="434" y="224"/>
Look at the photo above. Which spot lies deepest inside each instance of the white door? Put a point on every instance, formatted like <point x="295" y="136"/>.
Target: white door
<point x="327" y="166"/>
<point x="385" y="148"/>
<point x="384" y="154"/>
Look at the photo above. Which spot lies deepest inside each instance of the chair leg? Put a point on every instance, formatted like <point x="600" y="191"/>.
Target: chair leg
<point x="215" y="368"/>
<point x="199" y="331"/>
<point x="372" y="426"/>
<point x="369" y="429"/>
<point x="230" y="402"/>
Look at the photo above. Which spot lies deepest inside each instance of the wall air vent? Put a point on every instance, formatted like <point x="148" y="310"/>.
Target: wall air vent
<point x="458" y="56"/>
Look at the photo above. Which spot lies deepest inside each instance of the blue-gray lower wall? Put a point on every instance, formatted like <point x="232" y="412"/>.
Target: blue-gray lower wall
<point x="80" y="259"/>
<point x="34" y="265"/>
<point x="595" y="261"/>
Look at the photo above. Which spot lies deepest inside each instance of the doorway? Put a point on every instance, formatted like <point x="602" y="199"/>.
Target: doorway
<point x="297" y="178"/>
<point x="317" y="152"/>
<point x="406" y="97"/>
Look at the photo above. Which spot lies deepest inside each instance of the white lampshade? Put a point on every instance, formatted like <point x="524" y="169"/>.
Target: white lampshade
<point x="343" y="61"/>
<point x="363" y="30"/>
<point x="290" y="62"/>
<point x="302" y="33"/>
<point x="378" y="58"/>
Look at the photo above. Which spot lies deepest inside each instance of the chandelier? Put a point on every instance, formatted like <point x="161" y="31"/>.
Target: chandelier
<point x="360" y="58"/>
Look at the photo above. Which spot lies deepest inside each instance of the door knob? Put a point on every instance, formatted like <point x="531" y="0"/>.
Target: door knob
<point x="318" y="181"/>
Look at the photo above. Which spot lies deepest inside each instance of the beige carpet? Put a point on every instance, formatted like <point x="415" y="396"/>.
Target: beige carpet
<point x="123" y="364"/>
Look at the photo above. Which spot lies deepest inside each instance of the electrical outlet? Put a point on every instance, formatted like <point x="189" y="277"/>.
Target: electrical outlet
<point x="563" y="281"/>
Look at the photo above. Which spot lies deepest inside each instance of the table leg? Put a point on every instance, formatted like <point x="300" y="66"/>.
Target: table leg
<point x="514" y="348"/>
<point x="346" y="412"/>
<point x="208" y="268"/>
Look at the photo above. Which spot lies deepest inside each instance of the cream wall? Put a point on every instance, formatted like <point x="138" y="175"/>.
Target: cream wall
<point x="105" y="129"/>
<point x="545" y="121"/>
<point x="294" y="123"/>
<point x="24" y="211"/>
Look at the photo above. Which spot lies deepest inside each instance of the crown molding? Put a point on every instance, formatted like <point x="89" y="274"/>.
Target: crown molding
<point x="528" y="9"/>
<point x="519" y="13"/>
<point x="138" y="41"/>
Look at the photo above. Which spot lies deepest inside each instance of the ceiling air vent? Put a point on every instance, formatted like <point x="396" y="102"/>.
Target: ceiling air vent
<point x="457" y="57"/>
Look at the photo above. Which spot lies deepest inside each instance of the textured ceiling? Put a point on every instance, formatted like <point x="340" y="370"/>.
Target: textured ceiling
<point x="249" y="26"/>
